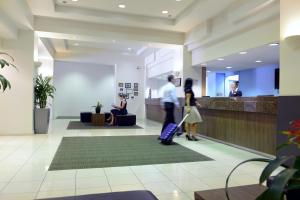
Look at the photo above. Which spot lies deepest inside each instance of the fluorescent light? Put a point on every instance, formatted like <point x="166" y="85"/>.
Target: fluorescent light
<point x="178" y="0"/>
<point x="122" y="6"/>
<point x="76" y="44"/>
<point x="243" y="52"/>
<point x="74" y="0"/>
<point x="164" y="12"/>
<point x="228" y="67"/>
<point x="220" y="59"/>
<point x="258" y="61"/>
<point x="273" y="44"/>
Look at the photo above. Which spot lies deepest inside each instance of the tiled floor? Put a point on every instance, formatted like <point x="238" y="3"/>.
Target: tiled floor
<point x="24" y="161"/>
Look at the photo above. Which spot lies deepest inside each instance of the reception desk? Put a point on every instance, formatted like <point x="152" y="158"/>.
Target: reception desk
<point x="248" y="122"/>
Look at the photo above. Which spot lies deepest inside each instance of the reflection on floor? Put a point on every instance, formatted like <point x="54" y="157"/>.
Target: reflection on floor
<point x="24" y="161"/>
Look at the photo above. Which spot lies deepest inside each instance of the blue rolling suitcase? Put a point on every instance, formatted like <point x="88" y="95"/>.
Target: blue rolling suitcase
<point x="169" y="132"/>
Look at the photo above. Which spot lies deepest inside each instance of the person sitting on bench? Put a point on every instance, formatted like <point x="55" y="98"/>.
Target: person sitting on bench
<point x="118" y="110"/>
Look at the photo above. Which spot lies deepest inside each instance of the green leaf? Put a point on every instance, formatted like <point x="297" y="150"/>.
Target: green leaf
<point x="246" y="161"/>
<point x="297" y="163"/>
<point x="276" y="190"/>
<point x="272" y="166"/>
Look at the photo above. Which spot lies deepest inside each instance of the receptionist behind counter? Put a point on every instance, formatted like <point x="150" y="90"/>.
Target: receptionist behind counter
<point x="234" y="90"/>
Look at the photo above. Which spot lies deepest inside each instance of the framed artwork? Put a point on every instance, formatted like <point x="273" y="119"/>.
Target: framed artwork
<point x="127" y="85"/>
<point x="136" y="94"/>
<point x="178" y="82"/>
<point x="127" y="96"/>
<point x="121" y="89"/>
<point x="121" y="85"/>
<point x="136" y="87"/>
<point x="128" y="91"/>
<point x="132" y="97"/>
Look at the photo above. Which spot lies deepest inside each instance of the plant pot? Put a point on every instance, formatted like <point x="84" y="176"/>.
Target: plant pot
<point x="98" y="110"/>
<point x="41" y="120"/>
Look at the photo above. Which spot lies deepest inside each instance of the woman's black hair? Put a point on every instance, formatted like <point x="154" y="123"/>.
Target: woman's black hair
<point x="188" y="84"/>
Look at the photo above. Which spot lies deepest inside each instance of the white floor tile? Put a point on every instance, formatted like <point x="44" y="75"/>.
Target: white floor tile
<point x="152" y="177"/>
<point x="122" y="179"/>
<point x="21" y="196"/>
<point x="174" y="196"/>
<point x="118" y="170"/>
<point x="55" y="193"/>
<point x="54" y="185"/>
<point x="96" y="190"/>
<point x="97" y="172"/>
<point x="21" y="187"/>
<point x="159" y="188"/>
<point x="121" y="188"/>
<point x="82" y="183"/>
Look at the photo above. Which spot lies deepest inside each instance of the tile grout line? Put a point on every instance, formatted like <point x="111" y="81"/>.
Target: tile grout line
<point x="107" y="179"/>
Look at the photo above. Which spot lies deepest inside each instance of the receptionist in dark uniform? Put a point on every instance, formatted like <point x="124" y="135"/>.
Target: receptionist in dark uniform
<point x="234" y="90"/>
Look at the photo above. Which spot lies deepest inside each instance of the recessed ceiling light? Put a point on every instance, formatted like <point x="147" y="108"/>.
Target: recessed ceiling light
<point x="228" y="67"/>
<point x="129" y="49"/>
<point x="164" y="12"/>
<point x="74" y="0"/>
<point x="220" y="59"/>
<point x="178" y="0"/>
<point x="122" y="6"/>
<point x="208" y="71"/>
<point x="258" y="61"/>
<point x="273" y="44"/>
<point x="114" y="41"/>
<point x="76" y="44"/>
<point x="243" y="52"/>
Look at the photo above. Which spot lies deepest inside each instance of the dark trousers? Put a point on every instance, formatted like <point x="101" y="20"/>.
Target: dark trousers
<point x="169" y="108"/>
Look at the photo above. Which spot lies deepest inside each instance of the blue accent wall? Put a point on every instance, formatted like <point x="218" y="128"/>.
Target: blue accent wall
<point x="258" y="81"/>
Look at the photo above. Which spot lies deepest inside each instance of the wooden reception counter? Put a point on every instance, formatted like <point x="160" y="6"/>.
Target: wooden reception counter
<point x="249" y="122"/>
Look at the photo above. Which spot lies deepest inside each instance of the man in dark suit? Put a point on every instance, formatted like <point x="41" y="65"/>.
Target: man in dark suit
<point x="235" y="92"/>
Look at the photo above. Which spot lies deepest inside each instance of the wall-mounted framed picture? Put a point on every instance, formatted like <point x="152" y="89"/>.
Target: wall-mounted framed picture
<point x="127" y="96"/>
<point x="132" y="97"/>
<point x="177" y="82"/>
<point x="136" y="93"/>
<point x="127" y="85"/>
<point x="121" y="84"/>
<point x="121" y="89"/>
<point x="128" y="91"/>
<point x="135" y="85"/>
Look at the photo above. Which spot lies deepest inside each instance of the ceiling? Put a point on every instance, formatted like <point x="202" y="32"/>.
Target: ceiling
<point x="134" y="7"/>
<point x="122" y="47"/>
<point x="268" y="55"/>
<point x="182" y="15"/>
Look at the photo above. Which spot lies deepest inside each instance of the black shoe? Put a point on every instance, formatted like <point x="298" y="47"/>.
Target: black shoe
<point x="194" y="138"/>
<point x="188" y="138"/>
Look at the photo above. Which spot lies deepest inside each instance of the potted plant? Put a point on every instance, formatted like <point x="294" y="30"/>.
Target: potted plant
<point x="42" y="90"/>
<point x="286" y="184"/>
<point x="98" y="107"/>
<point x="4" y="83"/>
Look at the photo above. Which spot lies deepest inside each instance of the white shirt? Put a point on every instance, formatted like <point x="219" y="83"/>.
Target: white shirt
<point x="169" y="94"/>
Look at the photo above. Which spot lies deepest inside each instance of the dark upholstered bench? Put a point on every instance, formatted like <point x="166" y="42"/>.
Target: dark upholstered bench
<point x="86" y="117"/>
<point x="131" y="195"/>
<point x="126" y="120"/>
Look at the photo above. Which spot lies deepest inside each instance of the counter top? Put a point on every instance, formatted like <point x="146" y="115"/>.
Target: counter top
<point x="243" y="104"/>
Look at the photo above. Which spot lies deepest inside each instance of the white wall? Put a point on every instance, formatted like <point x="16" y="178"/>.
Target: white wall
<point x="80" y="85"/>
<point x="132" y="71"/>
<point x="289" y="54"/>
<point x="16" y="105"/>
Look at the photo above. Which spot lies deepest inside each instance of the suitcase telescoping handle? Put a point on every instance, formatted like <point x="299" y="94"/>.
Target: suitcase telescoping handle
<point x="181" y="122"/>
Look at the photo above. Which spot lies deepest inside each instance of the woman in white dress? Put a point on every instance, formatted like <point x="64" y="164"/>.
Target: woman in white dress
<point x="192" y="121"/>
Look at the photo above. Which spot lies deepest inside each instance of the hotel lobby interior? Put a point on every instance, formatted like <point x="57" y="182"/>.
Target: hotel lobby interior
<point x="68" y="66"/>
